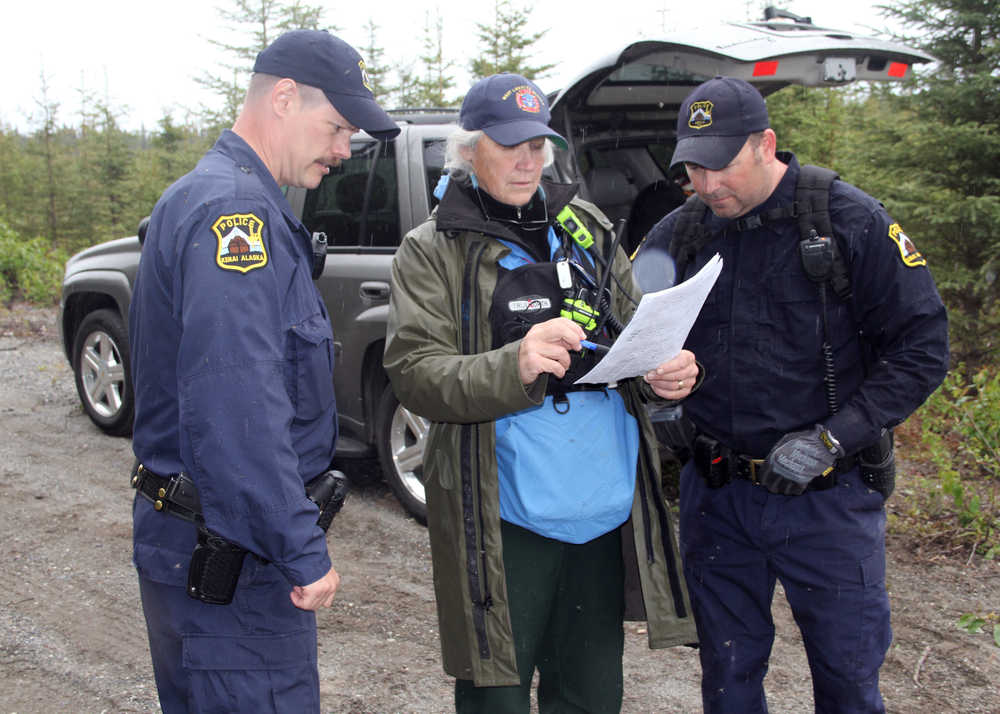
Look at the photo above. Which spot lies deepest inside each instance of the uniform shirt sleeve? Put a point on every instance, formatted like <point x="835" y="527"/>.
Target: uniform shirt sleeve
<point x="235" y="408"/>
<point x="903" y="323"/>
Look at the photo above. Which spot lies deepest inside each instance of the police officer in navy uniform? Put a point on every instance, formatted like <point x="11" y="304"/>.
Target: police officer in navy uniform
<point x="779" y="487"/>
<point x="232" y="355"/>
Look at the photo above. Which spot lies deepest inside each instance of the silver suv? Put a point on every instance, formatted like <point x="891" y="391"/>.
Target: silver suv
<point x="619" y="118"/>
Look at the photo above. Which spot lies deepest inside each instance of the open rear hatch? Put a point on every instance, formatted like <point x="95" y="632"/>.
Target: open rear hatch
<point x="619" y="115"/>
<point x="645" y="83"/>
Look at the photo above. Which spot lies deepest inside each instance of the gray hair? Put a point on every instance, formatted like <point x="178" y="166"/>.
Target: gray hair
<point x="261" y="84"/>
<point x="458" y="166"/>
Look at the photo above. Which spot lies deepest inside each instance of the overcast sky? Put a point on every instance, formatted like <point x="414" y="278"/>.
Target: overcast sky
<point x="142" y="56"/>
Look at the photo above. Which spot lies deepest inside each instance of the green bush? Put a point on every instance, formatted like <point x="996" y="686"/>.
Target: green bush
<point x="30" y="270"/>
<point x="961" y="438"/>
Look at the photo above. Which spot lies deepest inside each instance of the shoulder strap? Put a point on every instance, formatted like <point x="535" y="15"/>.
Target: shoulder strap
<point x="812" y="210"/>
<point x="812" y="207"/>
<point x="812" y="199"/>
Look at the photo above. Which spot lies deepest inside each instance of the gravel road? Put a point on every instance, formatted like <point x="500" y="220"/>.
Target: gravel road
<point x="72" y="636"/>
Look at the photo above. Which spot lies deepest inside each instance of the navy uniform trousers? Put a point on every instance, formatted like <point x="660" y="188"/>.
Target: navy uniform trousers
<point x="256" y="654"/>
<point x="828" y="550"/>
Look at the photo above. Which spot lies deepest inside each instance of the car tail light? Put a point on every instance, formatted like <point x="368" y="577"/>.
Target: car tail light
<point x="898" y="69"/>
<point x="767" y="68"/>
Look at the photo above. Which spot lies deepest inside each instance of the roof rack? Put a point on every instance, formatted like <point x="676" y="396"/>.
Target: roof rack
<point x="771" y="13"/>
<point x="424" y="115"/>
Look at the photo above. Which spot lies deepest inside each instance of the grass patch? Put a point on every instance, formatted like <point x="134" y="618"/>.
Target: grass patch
<point x="950" y="498"/>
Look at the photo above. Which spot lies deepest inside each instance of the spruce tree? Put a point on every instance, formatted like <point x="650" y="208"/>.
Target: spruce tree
<point x="507" y="43"/>
<point x="258" y="23"/>
<point x="437" y="80"/>
<point x="374" y="57"/>
<point x="943" y="142"/>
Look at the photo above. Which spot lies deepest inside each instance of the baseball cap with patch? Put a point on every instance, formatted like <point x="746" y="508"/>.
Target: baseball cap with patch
<point x="509" y="109"/>
<point x="317" y="58"/>
<point x="715" y="120"/>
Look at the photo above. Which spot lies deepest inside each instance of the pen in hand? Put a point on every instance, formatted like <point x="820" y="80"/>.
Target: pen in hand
<point x="594" y="347"/>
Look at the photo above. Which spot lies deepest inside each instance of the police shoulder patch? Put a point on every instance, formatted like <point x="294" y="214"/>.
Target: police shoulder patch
<point x="241" y="242"/>
<point x="907" y="250"/>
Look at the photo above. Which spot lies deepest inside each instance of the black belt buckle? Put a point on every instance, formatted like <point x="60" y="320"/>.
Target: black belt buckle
<point x="749" y="468"/>
<point x="754" y="467"/>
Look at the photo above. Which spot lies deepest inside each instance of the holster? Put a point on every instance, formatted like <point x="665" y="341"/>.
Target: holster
<point x="215" y="568"/>
<point x="318" y="254"/>
<point x="328" y="491"/>
<point x="878" y="464"/>
<point x="712" y="459"/>
<point x="673" y="430"/>
<point x="216" y="562"/>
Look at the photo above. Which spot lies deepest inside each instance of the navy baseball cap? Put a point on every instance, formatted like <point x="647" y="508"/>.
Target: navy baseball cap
<point x="318" y="59"/>
<point x="715" y="121"/>
<point x="509" y="109"/>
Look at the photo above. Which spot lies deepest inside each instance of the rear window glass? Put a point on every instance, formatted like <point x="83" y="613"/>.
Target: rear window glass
<point x="357" y="203"/>
<point x="637" y="72"/>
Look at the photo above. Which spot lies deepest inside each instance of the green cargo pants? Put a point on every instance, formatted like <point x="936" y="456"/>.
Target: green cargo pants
<point x="567" y="609"/>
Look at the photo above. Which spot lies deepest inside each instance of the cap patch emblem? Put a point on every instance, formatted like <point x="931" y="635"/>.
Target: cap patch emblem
<point x="241" y="242"/>
<point x="527" y="100"/>
<point x="701" y="115"/>
<point x="907" y="250"/>
<point x="365" y="79"/>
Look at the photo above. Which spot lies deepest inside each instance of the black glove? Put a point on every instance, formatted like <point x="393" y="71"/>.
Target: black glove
<point x="798" y="458"/>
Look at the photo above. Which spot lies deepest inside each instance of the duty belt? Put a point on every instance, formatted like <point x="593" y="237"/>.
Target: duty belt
<point x="175" y="494"/>
<point x="718" y="465"/>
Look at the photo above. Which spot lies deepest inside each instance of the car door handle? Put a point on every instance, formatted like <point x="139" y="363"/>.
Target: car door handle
<point x="375" y="290"/>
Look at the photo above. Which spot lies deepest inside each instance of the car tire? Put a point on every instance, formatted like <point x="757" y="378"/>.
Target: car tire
<point x="101" y="370"/>
<point x="401" y="439"/>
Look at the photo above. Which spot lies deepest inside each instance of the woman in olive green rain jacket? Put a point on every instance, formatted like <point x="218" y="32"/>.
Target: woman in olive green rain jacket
<point x="439" y="358"/>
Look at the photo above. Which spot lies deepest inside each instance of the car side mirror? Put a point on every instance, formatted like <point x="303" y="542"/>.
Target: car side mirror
<point x="143" y="227"/>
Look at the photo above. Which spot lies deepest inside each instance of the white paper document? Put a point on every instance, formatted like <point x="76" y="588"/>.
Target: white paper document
<point x="658" y="328"/>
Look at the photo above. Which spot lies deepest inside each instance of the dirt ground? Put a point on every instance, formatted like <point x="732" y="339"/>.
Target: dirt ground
<point x="72" y="637"/>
